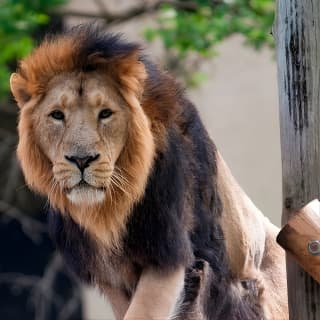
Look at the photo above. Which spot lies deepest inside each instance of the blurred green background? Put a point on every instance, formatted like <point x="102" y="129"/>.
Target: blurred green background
<point x="185" y="27"/>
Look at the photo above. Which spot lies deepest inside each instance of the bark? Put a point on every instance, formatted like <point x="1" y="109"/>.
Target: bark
<point x="297" y="32"/>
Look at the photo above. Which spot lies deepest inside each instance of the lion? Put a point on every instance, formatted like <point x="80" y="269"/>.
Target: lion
<point x="142" y="205"/>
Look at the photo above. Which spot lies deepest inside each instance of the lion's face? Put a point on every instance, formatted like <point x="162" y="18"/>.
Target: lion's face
<point x="86" y="140"/>
<point x="81" y="126"/>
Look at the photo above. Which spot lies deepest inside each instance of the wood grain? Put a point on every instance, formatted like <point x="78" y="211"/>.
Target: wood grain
<point x="297" y="33"/>
<point x="298" y="53"/>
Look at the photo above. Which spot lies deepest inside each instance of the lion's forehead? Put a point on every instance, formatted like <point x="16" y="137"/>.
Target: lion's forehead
<point x="71" y="89"/>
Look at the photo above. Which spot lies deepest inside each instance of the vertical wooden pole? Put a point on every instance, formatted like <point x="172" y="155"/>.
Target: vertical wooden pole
<point x="297" y="33"/>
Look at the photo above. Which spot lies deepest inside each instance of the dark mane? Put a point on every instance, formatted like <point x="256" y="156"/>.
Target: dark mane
<point x="93" y="40"/>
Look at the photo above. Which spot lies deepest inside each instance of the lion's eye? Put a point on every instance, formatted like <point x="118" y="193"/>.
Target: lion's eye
<point x="57" y="114"/>
<point x="105" y="113"/>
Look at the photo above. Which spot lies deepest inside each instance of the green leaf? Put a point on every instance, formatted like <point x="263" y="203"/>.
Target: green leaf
<point x="199" y="30"/>
<point x="18" y="20"/>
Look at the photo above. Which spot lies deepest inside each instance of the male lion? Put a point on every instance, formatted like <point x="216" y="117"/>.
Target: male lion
<point x="143" y="205"/>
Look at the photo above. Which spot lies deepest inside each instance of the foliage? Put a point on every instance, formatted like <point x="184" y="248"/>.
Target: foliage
<point x="186" y="27"/>
<point x="199" y="25"/>
<point x="18" y="19"/>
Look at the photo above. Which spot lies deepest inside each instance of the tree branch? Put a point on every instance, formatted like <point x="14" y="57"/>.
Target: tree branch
<point x="31" y="227"/>
<point x="114" y="18"/>
<point x="42" y="289"/>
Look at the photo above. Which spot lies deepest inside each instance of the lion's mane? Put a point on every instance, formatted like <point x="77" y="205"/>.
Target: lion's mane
<point x="85" y="49"/>
<point x="169" y="214"/>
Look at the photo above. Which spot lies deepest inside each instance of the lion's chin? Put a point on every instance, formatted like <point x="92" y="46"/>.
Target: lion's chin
<point x="86" y="195"/>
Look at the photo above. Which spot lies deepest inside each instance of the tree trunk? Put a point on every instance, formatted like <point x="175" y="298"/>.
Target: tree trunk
<point x="297" y="33"/>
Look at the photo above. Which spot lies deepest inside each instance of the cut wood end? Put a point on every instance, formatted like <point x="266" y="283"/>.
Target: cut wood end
<point x="301" y="238"/>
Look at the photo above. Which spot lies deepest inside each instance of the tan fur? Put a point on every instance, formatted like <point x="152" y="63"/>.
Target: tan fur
<point x="250" y="241"/>
<point x="47" y="61"/>
<point x="156" y="295"/>
<point x="119" y="302"/>
<point x="242" y="223"/>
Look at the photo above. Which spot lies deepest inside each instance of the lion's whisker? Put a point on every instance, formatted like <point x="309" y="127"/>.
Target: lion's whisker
<point x="122" y="180"/>
<point x="53" y="186"/>
<point x="119" y="186"/>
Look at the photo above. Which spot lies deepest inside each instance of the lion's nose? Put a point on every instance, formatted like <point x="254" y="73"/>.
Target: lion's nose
<point x="82" y="162"/>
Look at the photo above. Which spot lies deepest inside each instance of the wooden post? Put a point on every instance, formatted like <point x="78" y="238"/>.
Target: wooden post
<point x="297" y="33"/>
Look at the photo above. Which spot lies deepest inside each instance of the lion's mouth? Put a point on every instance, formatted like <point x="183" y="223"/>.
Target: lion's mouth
<point x="83" y="186"/>
<point x="85" y="194"/>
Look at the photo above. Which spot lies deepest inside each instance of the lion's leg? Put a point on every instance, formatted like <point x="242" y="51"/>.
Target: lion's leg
<point x="157" y="295"/>
<point x="118" y="300"/>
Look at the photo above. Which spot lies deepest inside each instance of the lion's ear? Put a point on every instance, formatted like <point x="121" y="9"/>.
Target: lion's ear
<point x="19" y="89"/>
